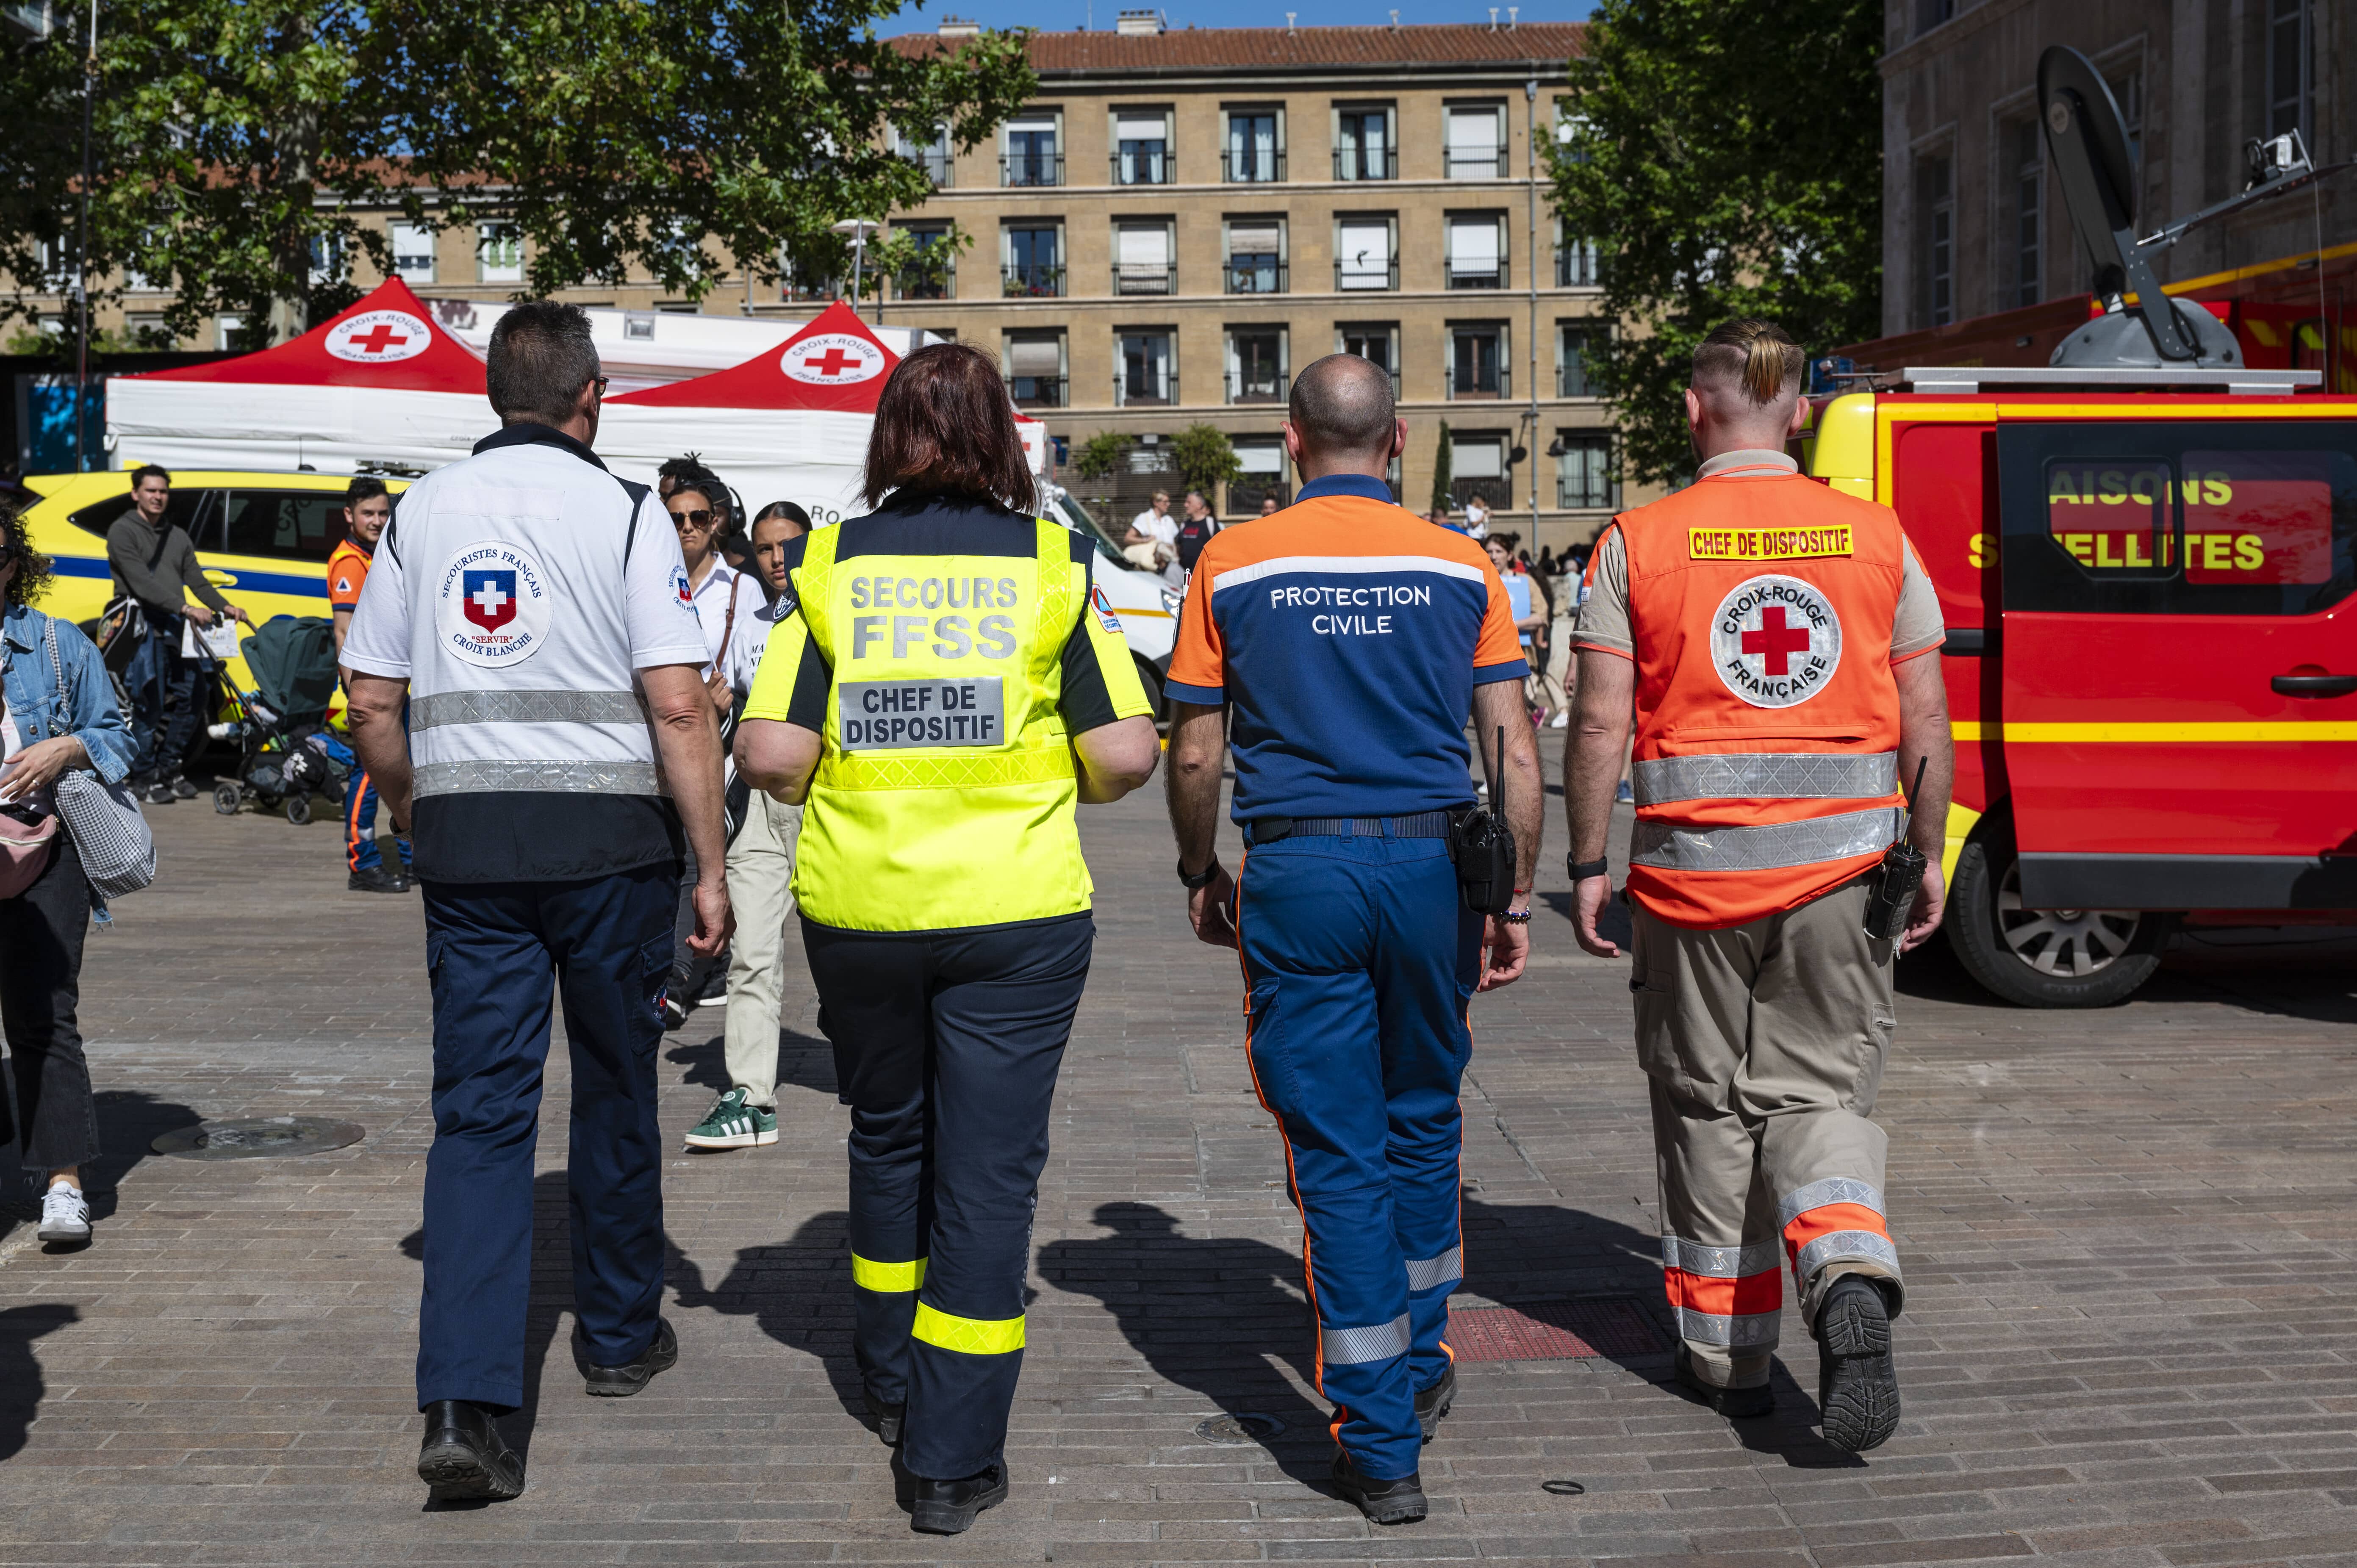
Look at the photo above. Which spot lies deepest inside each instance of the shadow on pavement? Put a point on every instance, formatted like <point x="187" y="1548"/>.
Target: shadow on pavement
<point x="21" y="1383"/>
<point x="798" y="1292"/>
<point x="806" y="1061"/>
<point x="128" y="1121"/>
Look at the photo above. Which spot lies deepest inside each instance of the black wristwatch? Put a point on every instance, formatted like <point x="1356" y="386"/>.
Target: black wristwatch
<point x="1201" y="879"/>
<point x="1581" y="870"/>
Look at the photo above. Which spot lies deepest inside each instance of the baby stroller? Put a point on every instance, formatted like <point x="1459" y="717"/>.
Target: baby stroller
<point x="285" y="755"/>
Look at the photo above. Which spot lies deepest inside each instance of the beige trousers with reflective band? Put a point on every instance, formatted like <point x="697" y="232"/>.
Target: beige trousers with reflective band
<point x="1764" y="1046"/>
<point x="760" y="868"/>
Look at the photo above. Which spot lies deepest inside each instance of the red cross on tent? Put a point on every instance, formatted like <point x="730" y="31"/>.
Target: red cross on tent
<point x="445" y="366"/>
<point x="761" y="382"/>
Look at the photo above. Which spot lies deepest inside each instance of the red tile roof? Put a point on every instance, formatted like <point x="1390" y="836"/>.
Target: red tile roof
<point x="1279" y="48"/>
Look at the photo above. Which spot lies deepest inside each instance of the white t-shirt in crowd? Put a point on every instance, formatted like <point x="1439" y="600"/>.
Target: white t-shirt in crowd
<point x="1163" y="530"/>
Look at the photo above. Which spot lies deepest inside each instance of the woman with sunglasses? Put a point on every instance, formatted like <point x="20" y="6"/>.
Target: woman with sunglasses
<point x="58" y="715"/>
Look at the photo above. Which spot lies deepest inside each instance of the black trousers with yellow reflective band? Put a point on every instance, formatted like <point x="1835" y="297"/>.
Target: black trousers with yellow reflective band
<point x="946" y="1046"/>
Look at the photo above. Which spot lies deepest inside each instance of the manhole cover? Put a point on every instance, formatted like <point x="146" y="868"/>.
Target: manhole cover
<point x="259" y="1137"/>
<point x="1552" y="1331"/>
<point x="1244" y="1427"/>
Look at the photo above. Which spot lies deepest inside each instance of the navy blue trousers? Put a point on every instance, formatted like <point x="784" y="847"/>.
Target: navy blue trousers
<point x="1361" y="960"/>
<point x="493" y="950"/>
<point x="946" y="1046"/>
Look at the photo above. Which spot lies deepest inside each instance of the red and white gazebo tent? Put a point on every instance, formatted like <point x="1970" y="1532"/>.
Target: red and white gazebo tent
<point x="381" y="386"/>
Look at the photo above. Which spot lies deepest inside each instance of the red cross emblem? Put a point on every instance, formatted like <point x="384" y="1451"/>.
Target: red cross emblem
<point x="377" y="339"/>
<point x="834" y="362"/>
<point x="1776" y="640"/>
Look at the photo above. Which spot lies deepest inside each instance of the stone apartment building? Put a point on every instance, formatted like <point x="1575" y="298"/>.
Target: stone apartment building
<point x="1973" y="216"/>
<point x="1183" y="217"/>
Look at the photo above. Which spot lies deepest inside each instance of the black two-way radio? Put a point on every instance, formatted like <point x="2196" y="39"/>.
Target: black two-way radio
<point x="1899" y="876"/>
<point x="1483" y="847"/>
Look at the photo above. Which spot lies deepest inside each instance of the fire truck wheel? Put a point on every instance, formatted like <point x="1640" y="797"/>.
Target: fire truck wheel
<point x="2045" y="957"/>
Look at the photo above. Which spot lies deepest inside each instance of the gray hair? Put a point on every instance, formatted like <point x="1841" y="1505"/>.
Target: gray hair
<point x="1343" y="403"/>
<point x="541" y="358"/>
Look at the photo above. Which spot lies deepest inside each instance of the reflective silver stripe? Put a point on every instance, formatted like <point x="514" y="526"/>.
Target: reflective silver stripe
<point x="1374" y="1342"/>
<point x="1721" y="1262"/>
<point x="1423" y="1273"/>
<point x="1833" y="1189"/>
<point x="1766" y="848"/>
<point x="480" y="777"/>
<point x="1860" y="1244"/>
<point x="1766" y="776"/>
<point x="1746" y="1331"/>
<point x="525" y="708"/>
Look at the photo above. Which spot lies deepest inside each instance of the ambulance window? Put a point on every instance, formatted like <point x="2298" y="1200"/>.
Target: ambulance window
<point x="302" y="525"/>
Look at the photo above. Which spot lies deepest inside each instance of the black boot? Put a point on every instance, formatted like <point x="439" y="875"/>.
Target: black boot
<point x="1735" y="1404"/>
<point x="464" y="1456"/>
<point x="1857" y="1382"/>
<point x="948" y="1507"/>
<point x="660" y="1355"/>
<point x="375" y="879"/>
<point x="1434" y="1402"/>
<point x="1385" y="1502"/>
<point x="887" y="1419"/>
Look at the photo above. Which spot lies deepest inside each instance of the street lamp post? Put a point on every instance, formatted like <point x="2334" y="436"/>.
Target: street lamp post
<point x="81" y="250"/>
<point x="858" y="229"/>
<point x="1531" y="99"/>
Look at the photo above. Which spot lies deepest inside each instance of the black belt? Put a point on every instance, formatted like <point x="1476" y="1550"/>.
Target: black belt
<point x="1423" y="825"/>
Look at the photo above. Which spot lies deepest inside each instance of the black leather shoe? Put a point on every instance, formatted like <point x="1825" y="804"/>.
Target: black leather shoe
<point x="1385" y="1502"/>
<point x="948" y="1507"/>
<point x="181" y="789"/>
<point x="375" y="879"/>
<point x="887" y="1419"/>
<point x="660" y="1355"/>
<point x="1434" y="1402"/>
<point x="1857" y="1382"/>
<point x="464" y="1456"/>
<point x="1735" y="1404"/>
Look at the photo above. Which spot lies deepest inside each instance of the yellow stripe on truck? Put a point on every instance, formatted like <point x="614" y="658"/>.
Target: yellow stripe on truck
<point x="2158" y="734"/>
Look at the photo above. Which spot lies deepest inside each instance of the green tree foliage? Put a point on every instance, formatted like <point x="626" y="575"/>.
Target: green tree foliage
<point x="237" y="141"/>
<point x="1728" y="161"/>
<point x="1101" y="454"/>
<point x="1206" y="459"/>
<point x="1443" y="462"/>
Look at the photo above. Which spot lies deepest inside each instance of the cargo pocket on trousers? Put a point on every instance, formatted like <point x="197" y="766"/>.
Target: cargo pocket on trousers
<point x="1652" y="993"/>
<point x="1881" y="1029"/>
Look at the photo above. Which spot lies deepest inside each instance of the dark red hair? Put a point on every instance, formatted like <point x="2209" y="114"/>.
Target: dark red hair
<point x="943" y="426"/>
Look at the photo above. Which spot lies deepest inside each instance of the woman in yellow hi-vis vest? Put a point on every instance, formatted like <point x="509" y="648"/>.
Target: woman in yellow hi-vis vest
<point x="943" y="685"/>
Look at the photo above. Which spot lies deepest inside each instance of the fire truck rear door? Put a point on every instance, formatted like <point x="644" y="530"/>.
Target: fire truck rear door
<point x="2180" y="652"/>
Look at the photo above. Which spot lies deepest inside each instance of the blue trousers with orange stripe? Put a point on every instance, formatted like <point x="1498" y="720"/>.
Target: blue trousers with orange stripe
<point x="1361" y="960"/>
<point x="361" y="851"/>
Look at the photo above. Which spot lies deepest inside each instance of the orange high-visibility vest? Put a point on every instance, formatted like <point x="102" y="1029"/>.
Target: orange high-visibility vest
<point x="1762" y="606"/>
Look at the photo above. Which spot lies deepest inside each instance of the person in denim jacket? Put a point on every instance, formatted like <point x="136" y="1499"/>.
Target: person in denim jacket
<point x="45" y="732"/>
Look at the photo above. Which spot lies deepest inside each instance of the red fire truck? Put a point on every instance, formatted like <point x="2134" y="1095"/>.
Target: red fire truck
<point x="2146" y="551"/>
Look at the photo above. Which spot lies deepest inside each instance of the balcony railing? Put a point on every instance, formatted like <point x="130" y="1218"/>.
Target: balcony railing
<point x="1251" y="386"/>
<point x="1258" y="275"/>
<point x="1135" y="277"/>
<point x="1365" y="163"/>
<point x="1035" y="391"/>
<point x="914" y="285"/>
<point x="1031" y="280"/>
<point x="1144" y="168"/>
<point x="1572" y="381"/>
<point x="939" y="167"/>
<point x="1253" y="167"/>
<point x="1575" y="266"/>
<point x="1476" y="165"/>
<point x="1031" y="168"/>
<point x="1160" y="391"/>
<point x="1245" y="495"/>
<point x="1586" y="493"/>
<point x="1493" y="491"/>
<point x="1494" y="383"/>
<point x="1495" y="277"/>
<point x="1361" y="276"/>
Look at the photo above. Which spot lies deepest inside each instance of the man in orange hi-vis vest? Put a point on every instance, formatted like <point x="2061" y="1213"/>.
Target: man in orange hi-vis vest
<point x="1777" y="645"/>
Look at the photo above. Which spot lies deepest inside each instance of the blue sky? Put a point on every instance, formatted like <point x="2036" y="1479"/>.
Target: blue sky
<point x="1061" y="15"/>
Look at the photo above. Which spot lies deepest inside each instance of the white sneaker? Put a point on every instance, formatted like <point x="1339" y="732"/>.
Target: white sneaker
<point x="65" y="1214"/>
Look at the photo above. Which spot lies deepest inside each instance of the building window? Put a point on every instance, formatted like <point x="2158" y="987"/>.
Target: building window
<point x="1572" y="378"/>
<point x="1256" y="256"/>
<point x="1257" y="368"/>
<point x="1377" y="342"/>
<point x="499" y="254"/>
<point x="1036" y="370"/>
<point x="1478" y="466"/>
<point x="934" y="156"/>
<point x="1365" y="255"/>
<point x="1935" y="240"/>
<point x="1363" y="144"/>
<point x="1141" y="144"/>
<point x="1476" y="251"/>
<point x="1142" y="262"/>
<point x="1569" y="129"/>
<point x="1262" y="461"/>
<point x="2288" y="50"/>
<point x="1575" y="261"/>
<point x="413" y="252"/>
<point x="1255" y="150"/>
<point x="1476" y="362"/>
<point x="148" y="331"/>
<point x="1033" y="266"/>
<point x="932" y="273"/>
<point x="1583" y="474"/>
<point x="1930" y="14"/>
<point x="1476" y="141"/>
<point x="1146" y="373"/>
<point x="229" y="332"/>
<point x="1035" y="152"/>
<point x="2127" y="91"/>
<point x="326" y="259"/>
<point x="2026" y="155"/>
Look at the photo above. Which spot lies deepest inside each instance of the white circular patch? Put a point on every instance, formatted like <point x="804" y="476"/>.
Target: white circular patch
<point x="491" y="606"/>
<point x="1776" y="642"/>
<point x="378" y="337"/>
<point x="833" y="359"/>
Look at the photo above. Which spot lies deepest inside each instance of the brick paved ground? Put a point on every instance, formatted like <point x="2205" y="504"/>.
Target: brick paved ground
<point x="2129" y="1237"/>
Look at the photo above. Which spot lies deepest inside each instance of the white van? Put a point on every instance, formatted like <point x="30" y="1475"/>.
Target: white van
<point x="1147" y="605"/>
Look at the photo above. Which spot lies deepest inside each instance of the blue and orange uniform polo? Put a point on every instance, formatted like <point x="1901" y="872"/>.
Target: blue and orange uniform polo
<point x="1347" y="637"/>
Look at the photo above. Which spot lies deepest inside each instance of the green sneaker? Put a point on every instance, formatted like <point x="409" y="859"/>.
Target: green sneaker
<point x="733" y="1124"/>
